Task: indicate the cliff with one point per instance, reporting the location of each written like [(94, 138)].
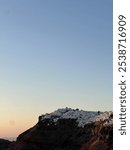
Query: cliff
[(68, 129)]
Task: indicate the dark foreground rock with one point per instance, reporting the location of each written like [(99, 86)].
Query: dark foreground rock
[(4, 144)]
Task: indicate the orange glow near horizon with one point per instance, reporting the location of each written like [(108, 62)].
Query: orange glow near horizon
[(13, 124), (12, 128)]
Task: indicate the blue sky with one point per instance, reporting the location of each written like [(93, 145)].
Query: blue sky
[(54, 54)]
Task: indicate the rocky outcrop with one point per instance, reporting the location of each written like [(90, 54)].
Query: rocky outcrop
[(66, 134), (102, 139), (4, 144)]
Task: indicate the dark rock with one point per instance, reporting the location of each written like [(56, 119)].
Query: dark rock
[(4, 144)]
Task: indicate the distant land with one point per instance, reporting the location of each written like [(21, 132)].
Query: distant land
[(9, 138)]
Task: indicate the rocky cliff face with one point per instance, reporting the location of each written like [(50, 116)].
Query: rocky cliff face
[(55, 132)]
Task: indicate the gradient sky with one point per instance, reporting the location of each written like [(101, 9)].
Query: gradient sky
[(53, 53)]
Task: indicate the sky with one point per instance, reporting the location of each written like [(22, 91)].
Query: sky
[(53, 54)]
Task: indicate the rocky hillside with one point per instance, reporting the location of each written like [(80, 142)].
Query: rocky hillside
[(68, 129)]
